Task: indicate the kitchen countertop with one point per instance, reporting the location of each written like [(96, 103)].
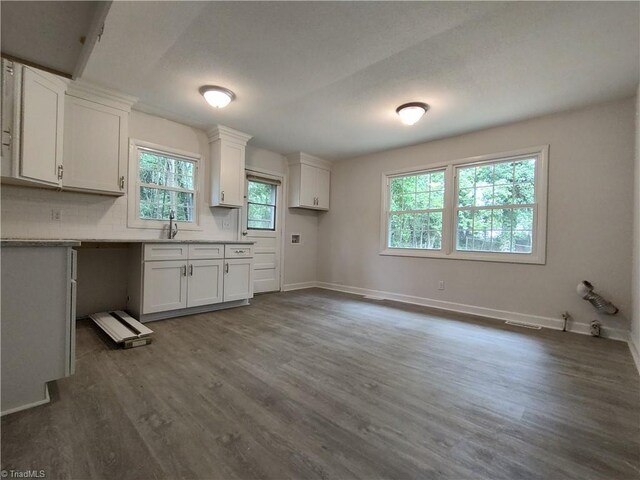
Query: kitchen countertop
[(34, 242), (38, 242)]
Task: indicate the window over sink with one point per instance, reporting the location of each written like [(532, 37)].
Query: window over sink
[(166, 181)]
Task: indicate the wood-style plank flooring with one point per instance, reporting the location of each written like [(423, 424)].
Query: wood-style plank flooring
[(317, 384)]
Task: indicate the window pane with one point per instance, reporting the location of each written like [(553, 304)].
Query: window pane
[(401, 185), (484, 175), (484, 196), (525, 171), (503, 230), (523, 193), (502, 219), (415, 230), (261, 217), (466, 177), (503, 173), (522, 241), (436, 199), (163, 170), (417, 192), (156, 204), (523, 219), (503, 195), (259, 192)]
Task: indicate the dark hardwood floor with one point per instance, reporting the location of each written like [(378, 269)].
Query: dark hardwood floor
[(318, 384)]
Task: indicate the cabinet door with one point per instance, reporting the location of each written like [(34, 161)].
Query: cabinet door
[(232, 175), (238, 279), (95, 146), (307, 185), (42, 127), (205, 282), (323, 180), (8, 116), (164, 286)]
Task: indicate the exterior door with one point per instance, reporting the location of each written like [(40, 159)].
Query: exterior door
[(262, 224)]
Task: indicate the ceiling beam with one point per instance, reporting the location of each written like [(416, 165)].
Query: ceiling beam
[(93, 35)]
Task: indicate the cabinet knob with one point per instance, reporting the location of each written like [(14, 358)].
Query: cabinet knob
[(244, 233), (122, 183), (222, 195), (226, 268)]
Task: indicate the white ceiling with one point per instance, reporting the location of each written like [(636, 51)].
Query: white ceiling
[(47, 33), (325, 77)]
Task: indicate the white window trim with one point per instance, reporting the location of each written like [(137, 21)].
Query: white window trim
[(133, 193), (448, 251)]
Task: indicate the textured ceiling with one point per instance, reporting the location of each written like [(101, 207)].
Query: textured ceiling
[(326, 77), (46, 33)]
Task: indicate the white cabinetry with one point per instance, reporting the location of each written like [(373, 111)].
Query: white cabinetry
[(38, 322), (238, 276), (205, 282), (227, 148), (309, 182), (95, 140), (32, 125), (165, 286), (173, 279)]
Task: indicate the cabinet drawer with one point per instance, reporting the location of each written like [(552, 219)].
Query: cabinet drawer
[(205, 251), (238, 251), (165, 251)]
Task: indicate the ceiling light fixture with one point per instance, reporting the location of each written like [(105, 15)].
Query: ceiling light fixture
[(218, 97), (411, 112)]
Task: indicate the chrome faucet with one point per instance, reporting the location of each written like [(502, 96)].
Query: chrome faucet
[(172, 232)]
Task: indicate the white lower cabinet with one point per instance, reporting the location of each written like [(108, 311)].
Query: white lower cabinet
[(165, 286), (238, 279), (205, 282), (174, 279)]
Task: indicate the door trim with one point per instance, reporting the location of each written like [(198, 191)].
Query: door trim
[(280, 214)]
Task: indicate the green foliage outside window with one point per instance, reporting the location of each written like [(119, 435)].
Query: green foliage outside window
[(495, 207), (416, 208), (261, 205), (167, 184)]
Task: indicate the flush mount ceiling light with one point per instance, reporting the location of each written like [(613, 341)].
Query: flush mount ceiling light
[(411, 112), (218, 97)]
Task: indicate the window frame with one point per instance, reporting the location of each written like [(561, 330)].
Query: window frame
[(275, 206), (448, 250), (133, 202)]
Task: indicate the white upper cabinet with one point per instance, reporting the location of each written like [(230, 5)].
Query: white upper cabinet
[(95, 140), (227, 148), (309, 182), (32, 125)]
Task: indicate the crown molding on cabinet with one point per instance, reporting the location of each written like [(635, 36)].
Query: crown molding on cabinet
[(98, 94), (305, 158), (220, 132)]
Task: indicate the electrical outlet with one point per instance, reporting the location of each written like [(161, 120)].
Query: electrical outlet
[(441, 285), (226, 223), (56, 215)]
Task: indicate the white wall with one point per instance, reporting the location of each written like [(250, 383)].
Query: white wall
[(635, 318), (300, 260), (26, 213), (589, 232)]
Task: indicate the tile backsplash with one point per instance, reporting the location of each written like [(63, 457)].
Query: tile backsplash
[(31, 213)]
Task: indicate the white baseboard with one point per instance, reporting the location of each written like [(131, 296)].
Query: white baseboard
[(47, 399), (635, 351), (493, 314), (298, 286)]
